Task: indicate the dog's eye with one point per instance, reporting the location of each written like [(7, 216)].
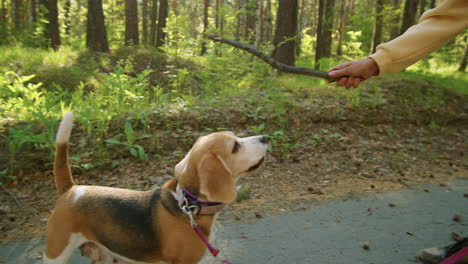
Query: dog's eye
[(236, 147)]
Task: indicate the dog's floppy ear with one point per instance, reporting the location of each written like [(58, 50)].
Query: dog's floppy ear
[(216, 180), (181, 167)]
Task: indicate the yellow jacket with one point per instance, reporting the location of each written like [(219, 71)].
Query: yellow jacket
[(435, 28)]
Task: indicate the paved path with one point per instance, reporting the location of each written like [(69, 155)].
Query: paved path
[(330, 232)]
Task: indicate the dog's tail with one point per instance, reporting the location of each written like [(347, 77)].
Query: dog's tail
[(63, 176)]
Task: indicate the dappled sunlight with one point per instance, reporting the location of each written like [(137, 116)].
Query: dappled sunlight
[(65, 57), (144, 85)]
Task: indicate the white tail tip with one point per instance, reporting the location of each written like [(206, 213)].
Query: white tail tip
[(64, 131)]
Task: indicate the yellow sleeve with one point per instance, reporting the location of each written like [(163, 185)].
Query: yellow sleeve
[(435, 28)]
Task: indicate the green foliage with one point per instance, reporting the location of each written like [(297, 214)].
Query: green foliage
[(118, 100), (135, 150), (353, 47), (175, 95), (363, 20), (20, 99), (118, 95), (18, 139), (138, 59), (280, 142), (65, 68), (243, 195), (433, 125), (181, 38), (5, 176), (308, 43), (438, 72)]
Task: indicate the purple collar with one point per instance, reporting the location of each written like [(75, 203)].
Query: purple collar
[(201, 207), (194, 207), (194, 198)]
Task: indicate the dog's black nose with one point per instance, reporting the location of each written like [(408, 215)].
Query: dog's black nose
[(263, 140)]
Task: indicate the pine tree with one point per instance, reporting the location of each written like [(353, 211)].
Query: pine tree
[(96, 37), (377, 34), (162, 16), (409, 15), (131, 22), (54, 30), (286, 30), (324, 30)]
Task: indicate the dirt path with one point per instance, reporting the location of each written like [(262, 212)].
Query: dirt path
[(329, 232), (334, 231), (341, 161)]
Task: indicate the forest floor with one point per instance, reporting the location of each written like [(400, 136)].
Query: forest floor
[(363, 159), (369, 162)]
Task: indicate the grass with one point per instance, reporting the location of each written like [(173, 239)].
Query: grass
[(65, 68), (435, 70), (243, 195), (149, 105)]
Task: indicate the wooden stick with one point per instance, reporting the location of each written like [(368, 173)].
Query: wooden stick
[(274, 63)]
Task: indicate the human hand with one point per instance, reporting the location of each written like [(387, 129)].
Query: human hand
[(355, 72)]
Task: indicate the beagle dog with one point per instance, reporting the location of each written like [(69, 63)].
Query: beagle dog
[(135, 227)]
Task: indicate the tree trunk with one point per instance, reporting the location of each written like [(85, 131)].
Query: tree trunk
[(250, 13), (219, 17), (44, 23), (33, 11), (222, 18), (131, 22), (194, 13), (3, 12), (205, 25), (268, 27), (238, 6), (422, 7), (66, 18), (286, 30), (324, 30), (153, 18), (18, 10), (409, 15), (377, 34), (96, 37), (318, 33), (351, 8), (3, 23), (144, 21), (259, 25), (54, 30), (432, 4), (341, 29), (300, 26), (163, 12), (395, 28), (312, 22), (463, 62), (81, 27), (217, 14)]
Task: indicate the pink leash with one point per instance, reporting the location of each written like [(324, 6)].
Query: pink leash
[(210, 247), (456, 257), (188, 210)]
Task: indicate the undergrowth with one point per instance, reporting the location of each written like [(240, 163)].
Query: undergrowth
[(139, 104)]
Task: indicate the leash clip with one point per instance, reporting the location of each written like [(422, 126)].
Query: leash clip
[(190, 210)]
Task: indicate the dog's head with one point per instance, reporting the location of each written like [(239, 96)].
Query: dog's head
[(216, 161)]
